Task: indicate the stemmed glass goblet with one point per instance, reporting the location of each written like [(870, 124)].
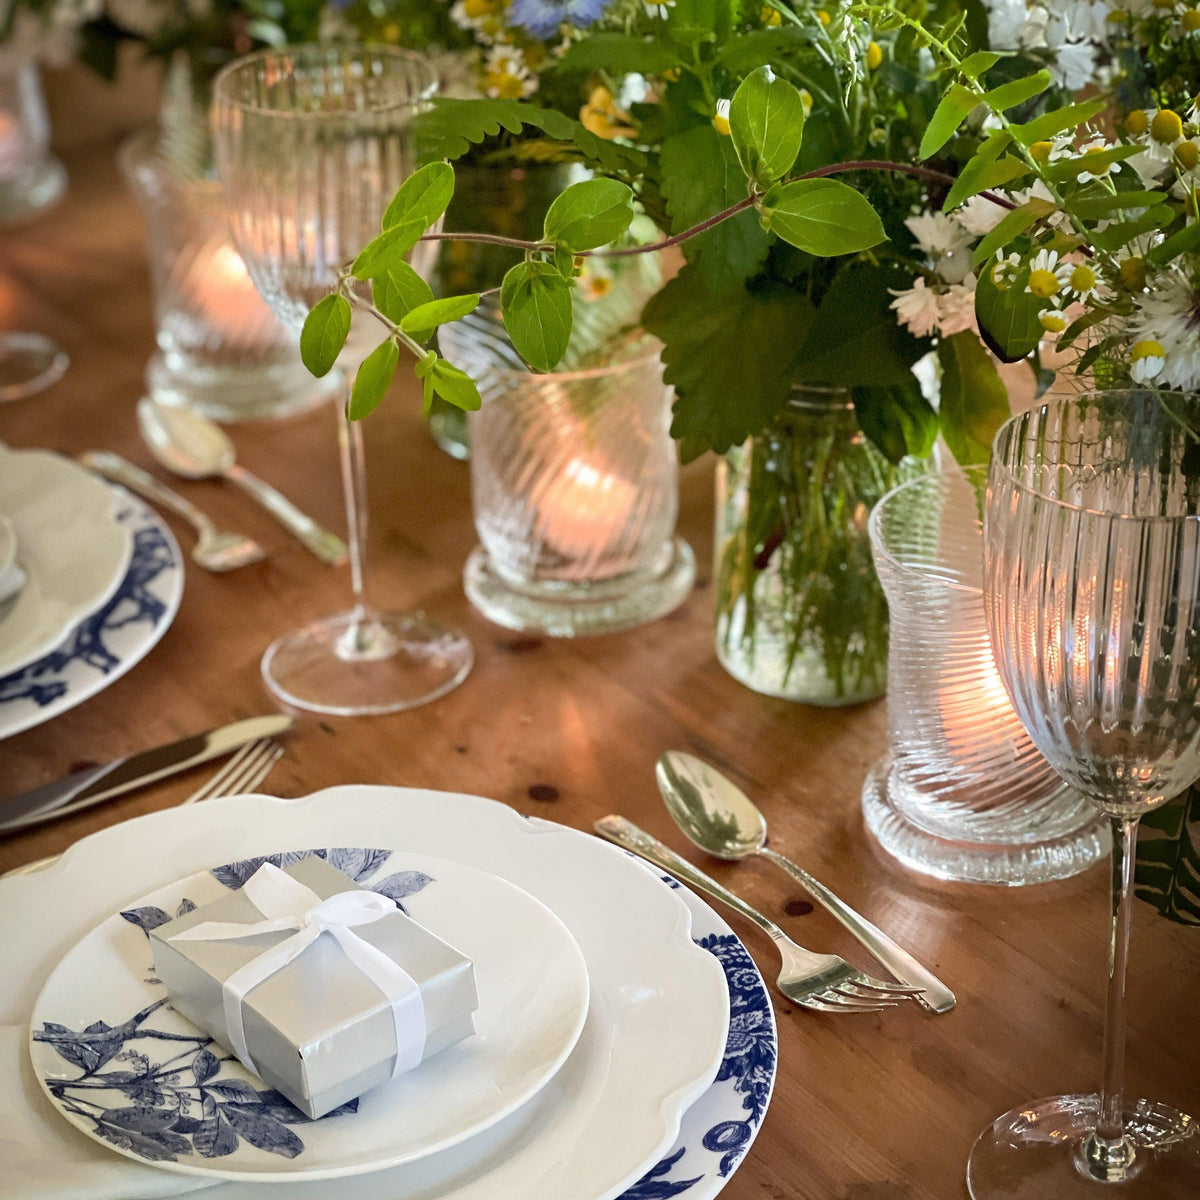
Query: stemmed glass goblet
[(311, 143), (1092, 591)]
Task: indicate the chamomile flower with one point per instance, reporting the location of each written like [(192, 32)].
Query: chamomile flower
[(720, 121), (1168, 317), (1047, 276), (1096, 145), (506, 75), (1083, 282), (1146, 361), (1005, 270), (1053, 320), (917, 308)]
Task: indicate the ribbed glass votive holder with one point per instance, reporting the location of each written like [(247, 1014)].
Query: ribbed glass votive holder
[(962, 793)]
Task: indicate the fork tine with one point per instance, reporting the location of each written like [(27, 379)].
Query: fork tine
[(842, 1002), (239, 781), (900, 990), (230, 768), (251, 782)]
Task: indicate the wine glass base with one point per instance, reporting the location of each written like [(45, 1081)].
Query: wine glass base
[(31, 193), (1007, 864), (29, 363), (1036, 1152), (358, 663), (567, 609)]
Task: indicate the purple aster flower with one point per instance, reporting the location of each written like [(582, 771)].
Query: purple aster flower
[(541, 18)]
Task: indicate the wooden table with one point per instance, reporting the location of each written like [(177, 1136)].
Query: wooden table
[(866, 1107)]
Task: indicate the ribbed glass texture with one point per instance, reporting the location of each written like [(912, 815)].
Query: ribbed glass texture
[(311, 143), (961, 766), (574, 476), (222, 351), (1092, 579)]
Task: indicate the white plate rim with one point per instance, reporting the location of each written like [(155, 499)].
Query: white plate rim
[(154, 581), (102, 533), (301, 1176), (716, 1100)]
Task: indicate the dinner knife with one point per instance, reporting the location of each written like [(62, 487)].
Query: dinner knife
[(92, 785)]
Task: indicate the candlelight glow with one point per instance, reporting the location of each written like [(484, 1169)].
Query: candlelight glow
[(583, 512)]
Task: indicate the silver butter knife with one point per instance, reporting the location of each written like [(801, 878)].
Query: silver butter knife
[(93, 785)]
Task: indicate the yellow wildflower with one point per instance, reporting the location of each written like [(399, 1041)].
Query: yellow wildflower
[(874, 56), (1166, 127), (601, 116), (1137, 122), (770, 16)]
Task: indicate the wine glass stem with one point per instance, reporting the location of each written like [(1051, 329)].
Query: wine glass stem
[(354, 488), (1109, 1153)]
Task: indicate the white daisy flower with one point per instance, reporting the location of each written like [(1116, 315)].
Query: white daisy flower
[(1146, 362), (1047, 276), (979, 215), (1053, 320), (937, 233), (506, 75), (1005, 270), (1097, 145), (1084, 283), (1074, 66), (917, 308), (1168, 317)]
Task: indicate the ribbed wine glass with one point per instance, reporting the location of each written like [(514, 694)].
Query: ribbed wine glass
[(1092, 588), (311, 143)]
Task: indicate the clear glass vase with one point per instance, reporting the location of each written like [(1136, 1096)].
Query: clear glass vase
[(962, 793), (574, 486), (31, 178), (800, 613)]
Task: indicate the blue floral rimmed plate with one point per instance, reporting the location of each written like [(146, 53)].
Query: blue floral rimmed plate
[(123, 1066), (111, 640)]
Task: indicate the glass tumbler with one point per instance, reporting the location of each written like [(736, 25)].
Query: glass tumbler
[(962, 793)]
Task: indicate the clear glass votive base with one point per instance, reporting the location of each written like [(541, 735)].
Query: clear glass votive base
[(563, 608), (239, 393), (29, 363), (365, 662), (1040, 1151), (1039, 859)]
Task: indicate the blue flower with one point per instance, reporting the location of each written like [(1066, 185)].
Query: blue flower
[(541, 18)]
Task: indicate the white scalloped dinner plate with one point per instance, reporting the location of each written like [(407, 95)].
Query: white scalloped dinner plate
[(658, 1036), (72, 548)]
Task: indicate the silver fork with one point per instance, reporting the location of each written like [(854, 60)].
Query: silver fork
[(240, 774), (823, 982)]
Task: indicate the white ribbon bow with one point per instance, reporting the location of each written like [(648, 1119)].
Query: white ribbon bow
[(287, 904)]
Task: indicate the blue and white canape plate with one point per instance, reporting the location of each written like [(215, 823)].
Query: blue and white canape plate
[(111, 640), (123, 1066)]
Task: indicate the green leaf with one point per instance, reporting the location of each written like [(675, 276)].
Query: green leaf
[(536, 302), (422, 197), (324, 334), (1017, 91), (979, 63), (823, 217), (455, 386), (729, 354), (854, 339), (589, 214), (991, 149), (619, 54), (898, 419), (974, 402), (1043, 128), (397, 289), (1186, 239), (389, 248), (743, 53), (947, 117), (1069, 168), (1010, 226), (421, 321), (766, 123), (1092, 207), (372, 381), (452, 127), (979, 177), (1115, 237), (1008, 317), (700, 177), (1167, 861)]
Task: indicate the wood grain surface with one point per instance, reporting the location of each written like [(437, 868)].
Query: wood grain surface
[(866, 1107)]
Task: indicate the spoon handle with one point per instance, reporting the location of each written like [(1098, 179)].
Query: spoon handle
[(328, 547), (119, 470), (628, 836), (934, 993)]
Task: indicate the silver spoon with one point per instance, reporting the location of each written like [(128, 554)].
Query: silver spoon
[(722, 820), (196, 448), (214, 550)]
